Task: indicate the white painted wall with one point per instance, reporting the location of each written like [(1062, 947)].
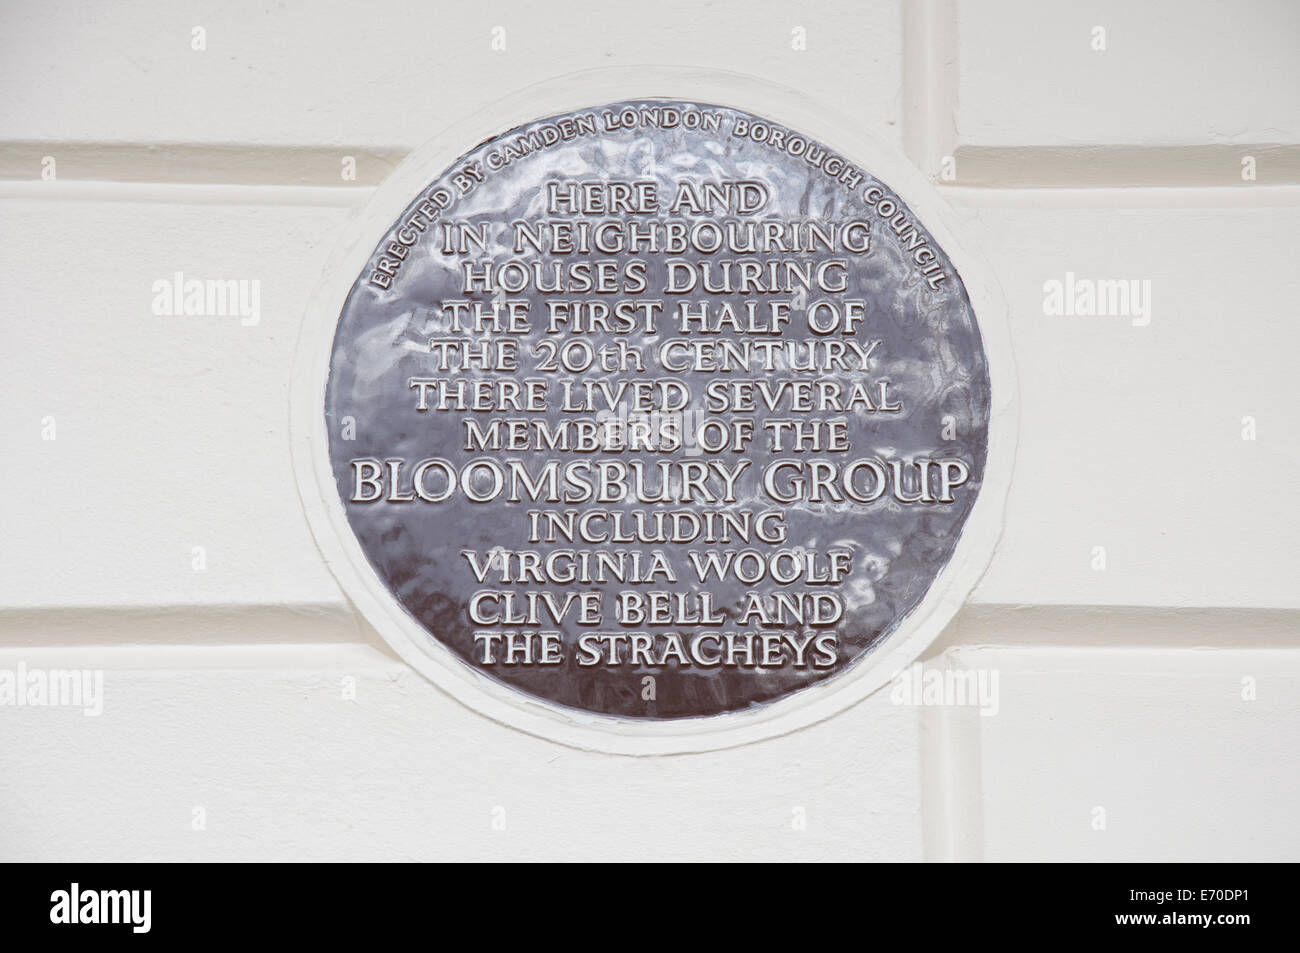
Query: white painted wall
[(1120, 689)]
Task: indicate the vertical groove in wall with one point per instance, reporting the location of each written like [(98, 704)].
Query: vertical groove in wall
[(929, 81), (952, 826)]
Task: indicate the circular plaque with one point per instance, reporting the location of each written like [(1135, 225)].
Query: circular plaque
[(657, 410)]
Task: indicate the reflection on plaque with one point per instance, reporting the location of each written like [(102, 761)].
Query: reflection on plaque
[(659, 409)]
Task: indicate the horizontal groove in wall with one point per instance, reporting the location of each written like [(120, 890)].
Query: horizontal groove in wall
[(1110, 627), (200, 163), (288, 657), (1240, 196), (183, 626), (1110, 166), (186, 193)]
